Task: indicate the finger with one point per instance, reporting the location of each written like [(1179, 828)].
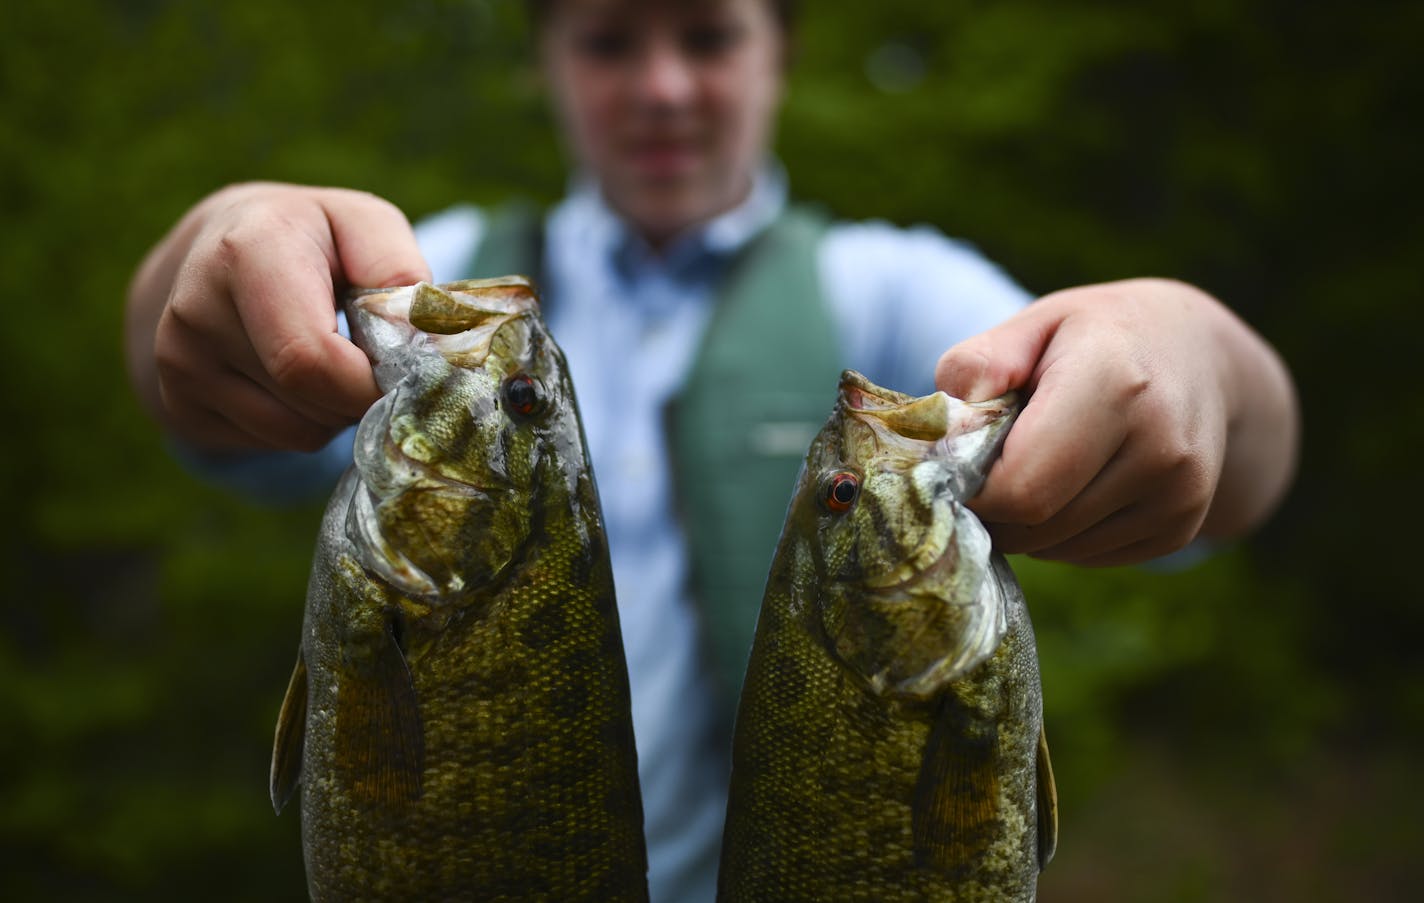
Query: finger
[(1063, 439), (1137, 497), (211, 432), (1132, 553), (253, 409), (1113, 489), (204, 341), (1121, 528), (1003, 358), (244, 415), (1147, 530)]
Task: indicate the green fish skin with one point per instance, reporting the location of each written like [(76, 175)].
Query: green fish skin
[(889, 742), (458, 720)]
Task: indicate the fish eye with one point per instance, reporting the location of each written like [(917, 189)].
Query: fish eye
[(521, 395), (841, 491)]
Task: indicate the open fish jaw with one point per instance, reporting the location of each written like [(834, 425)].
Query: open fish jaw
[(928, 611), (392, 323)]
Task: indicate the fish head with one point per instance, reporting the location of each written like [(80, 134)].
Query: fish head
[(477, 414), (904, 585)]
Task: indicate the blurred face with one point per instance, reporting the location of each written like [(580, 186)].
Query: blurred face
[(668, 103)]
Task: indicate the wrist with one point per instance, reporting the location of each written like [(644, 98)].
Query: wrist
[(1262, 428)]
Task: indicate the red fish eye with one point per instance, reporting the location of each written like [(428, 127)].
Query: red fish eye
[(520, 394), (841, 492)]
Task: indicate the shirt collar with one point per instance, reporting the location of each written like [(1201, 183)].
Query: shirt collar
[(711, 242)]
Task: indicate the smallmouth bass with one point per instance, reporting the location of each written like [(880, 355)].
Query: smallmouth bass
[(458, 719), (889, 742)]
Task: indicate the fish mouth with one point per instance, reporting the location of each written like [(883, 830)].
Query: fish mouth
[(967, 435), (924, 419), (457, 319)]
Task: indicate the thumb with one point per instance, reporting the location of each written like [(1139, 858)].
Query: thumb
[(993, 362)]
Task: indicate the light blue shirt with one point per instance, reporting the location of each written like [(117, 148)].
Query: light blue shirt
[(629, 321)]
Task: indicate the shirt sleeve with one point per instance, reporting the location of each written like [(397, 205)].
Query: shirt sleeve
[(902, 297), (448, 240)]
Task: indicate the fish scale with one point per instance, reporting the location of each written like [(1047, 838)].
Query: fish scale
[(459, 719)]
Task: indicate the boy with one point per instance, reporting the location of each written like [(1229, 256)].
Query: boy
[(1156, 416)]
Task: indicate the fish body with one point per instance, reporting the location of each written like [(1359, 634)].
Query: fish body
[(458, 720), (889, 740)]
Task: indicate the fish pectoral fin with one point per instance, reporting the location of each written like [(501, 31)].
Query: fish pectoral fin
[(291, 734), (1047, 805), (955, 809), (379, 736)]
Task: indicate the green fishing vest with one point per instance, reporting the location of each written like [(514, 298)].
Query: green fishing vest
[(763, 382)]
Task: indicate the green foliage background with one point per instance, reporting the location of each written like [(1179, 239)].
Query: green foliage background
[(1245, 729)]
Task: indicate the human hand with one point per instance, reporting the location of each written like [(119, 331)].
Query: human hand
[(231, 328), (1154, 415)]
